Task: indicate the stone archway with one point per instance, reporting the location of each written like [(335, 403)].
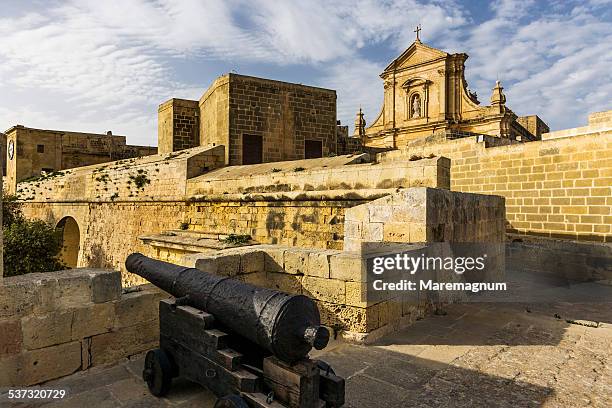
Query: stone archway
[(71, 235)]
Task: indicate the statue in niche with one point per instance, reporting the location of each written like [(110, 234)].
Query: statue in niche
[(416, 106)]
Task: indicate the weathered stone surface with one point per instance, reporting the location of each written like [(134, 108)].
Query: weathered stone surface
[(296, 261), (112, 346), (274, 260), (36, 366), (92, 319), (228, 265), (349, 318), (348, 267), (329, 290), (11, 338), (140, 306), (106, 287), (319, 263), (284, 282), (47, 330), (73, 290)]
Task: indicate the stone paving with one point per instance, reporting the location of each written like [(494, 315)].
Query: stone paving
[(473, 356)]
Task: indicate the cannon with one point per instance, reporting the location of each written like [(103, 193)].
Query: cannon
[(249, 345)]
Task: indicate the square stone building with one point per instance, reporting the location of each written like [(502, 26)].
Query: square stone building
[(31, 152), (258, 120)]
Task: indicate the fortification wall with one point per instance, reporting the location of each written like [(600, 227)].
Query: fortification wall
[(558, 188), (140, 179), (54, 324), (109, 229), (336, 279), (349, 173)]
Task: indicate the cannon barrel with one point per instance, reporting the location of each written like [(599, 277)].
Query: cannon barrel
[(286, 325)]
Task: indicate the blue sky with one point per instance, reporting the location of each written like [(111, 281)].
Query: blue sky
[(93, 65)]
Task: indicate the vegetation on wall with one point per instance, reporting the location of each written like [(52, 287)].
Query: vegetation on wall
[(235, 239), (29, 246)]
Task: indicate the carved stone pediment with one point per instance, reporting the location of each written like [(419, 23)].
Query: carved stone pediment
[(414, 82)]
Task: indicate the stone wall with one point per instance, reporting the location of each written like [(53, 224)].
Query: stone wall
[(109, 228), (558, 188), (143, 179), (54, 324), (426, 215), (178, 125), (336, 279), (571, 261), (284, 114), (40, 150), (351, 174)]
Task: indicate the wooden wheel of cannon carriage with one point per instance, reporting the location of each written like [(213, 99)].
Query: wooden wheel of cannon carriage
[(158, 372)]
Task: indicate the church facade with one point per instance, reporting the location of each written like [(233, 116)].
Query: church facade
[(425, 92)]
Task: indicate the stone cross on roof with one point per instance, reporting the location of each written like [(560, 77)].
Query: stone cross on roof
[(417, 30)]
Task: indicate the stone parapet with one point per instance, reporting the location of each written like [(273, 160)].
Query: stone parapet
[(338, 173), (54, 324)]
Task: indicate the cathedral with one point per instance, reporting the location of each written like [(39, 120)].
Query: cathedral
[(425, 92)]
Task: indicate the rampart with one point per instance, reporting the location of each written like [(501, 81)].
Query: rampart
[(557, 187), (54, 324), (298, 203), (336, 279)]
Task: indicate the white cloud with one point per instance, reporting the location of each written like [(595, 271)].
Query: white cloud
[(92, 65), (556, 65)]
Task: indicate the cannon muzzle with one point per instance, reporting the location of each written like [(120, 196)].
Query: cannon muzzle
[(286, 325)]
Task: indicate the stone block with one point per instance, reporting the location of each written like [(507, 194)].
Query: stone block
[(34, 367), (284, 282), (125, 342), (353, 229), (227, 265), (73, 288), (92, 319), (349, 318), (347, 266), (408, 214), (47, 330), (353, 245), (318, 263), (106, 286), (397, 232), (356, 294), (373, 232), (11, 338), (328, 290), (256, 278), (17, 299), (138, 307), (296, 261), (252, 261), (380, 213)]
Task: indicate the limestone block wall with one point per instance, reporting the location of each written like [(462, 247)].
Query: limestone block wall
[(426, 215), (54, 324), (109, 228), (178, 125), (337, 280), (347, 175), (567, 260), (144, 179), (333, 278), (285, 115), (559, 188)]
